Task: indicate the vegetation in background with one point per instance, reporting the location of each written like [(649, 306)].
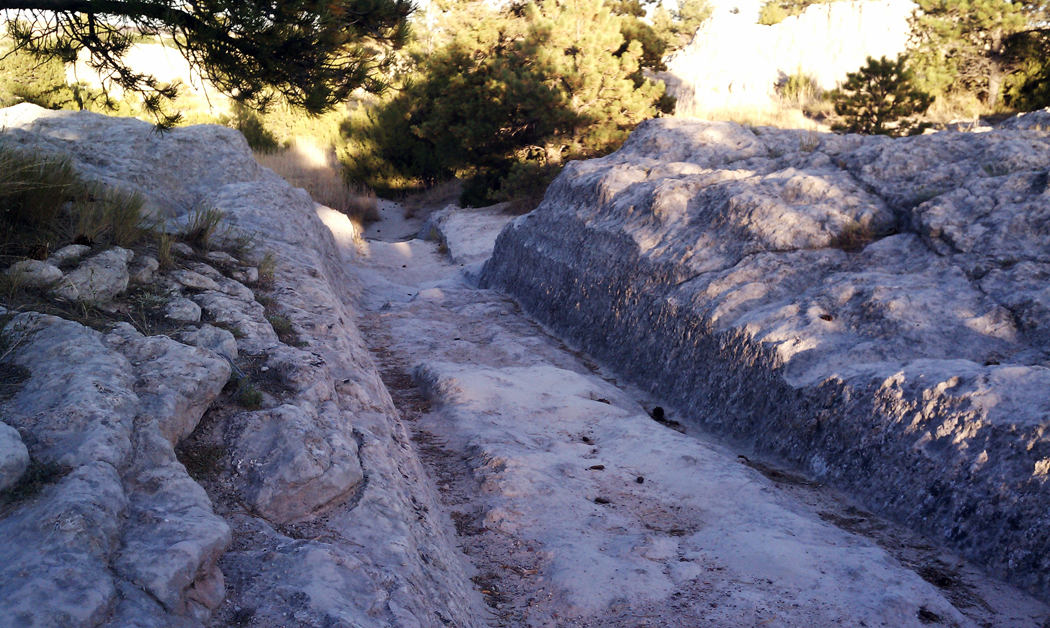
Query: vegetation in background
[(503, 99), (776, 11), (962, 45), (309, 54), (881, 99), (677, 26)]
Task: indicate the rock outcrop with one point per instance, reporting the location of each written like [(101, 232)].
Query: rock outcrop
[(162, 501), (734, 62), (872, 310)]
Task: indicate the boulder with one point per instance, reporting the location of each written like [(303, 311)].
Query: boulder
[(68, 254), (182, 310), (191, 279), (142, 269), (219, 341), (34, 273), (873, 310), (293, 465), (14, 457), (98, 279)]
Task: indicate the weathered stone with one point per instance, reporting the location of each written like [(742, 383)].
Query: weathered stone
[(209, 337), (222, 257), (68, 254), (183, 249), (192, 279), (142, 269), (874, 310), (34, 273), (97, 279), (183, 310), (292, 464), (14, 457)]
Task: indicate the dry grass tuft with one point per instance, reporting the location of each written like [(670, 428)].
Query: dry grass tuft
[(317, 170)]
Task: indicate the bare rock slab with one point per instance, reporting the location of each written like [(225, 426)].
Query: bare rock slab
[(871, 309)]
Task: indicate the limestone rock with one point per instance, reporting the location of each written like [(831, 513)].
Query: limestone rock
[(378, 562), (68, 254), (14, 457), (98, 279), (106, 412), (183, 249), (874, 310), (142, 269), (183, 310), (293, 466), (219, 341), (34, 273), (192, 279)]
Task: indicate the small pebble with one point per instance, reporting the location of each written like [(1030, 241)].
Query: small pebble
[(600, 500), (597, 467), (639, 479)]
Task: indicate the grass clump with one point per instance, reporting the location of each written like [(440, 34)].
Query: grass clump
[(204, 224), (853, 237), (45, 205), (247, 394), (38, 475)]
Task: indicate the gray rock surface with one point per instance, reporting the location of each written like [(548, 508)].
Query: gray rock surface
[(183, 310), (34, 273), (103, 414), (330, 527), (871, 310), (219, 341), (97, 279), (14, 457), (68, 254), (467, 235), (142, 269)]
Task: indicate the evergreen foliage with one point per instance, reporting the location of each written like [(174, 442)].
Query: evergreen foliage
[(505, 101), (879, 99), (310, 54), (677, 26), (776, 11), (961, 45)]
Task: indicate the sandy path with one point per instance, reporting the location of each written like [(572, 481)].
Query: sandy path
[(576, 508)]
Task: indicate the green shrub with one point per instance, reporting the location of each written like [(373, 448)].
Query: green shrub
[(880, 99)]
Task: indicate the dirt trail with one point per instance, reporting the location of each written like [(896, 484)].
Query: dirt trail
[(576, 508)]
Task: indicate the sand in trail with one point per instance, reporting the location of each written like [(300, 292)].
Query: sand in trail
[(575, 508)]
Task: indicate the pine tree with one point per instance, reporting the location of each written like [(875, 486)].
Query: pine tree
[(507, 100), (961, 44), (879, 98)]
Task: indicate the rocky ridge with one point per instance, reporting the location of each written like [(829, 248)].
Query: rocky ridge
[(246, 467), (871, 310)]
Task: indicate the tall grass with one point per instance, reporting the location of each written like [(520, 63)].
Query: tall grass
[(315, 168), (44, 205)]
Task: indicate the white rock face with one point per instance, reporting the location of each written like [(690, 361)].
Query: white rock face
[(14, 457), (713, 266), (735, 62)]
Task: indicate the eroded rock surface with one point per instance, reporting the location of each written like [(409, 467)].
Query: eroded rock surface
[(304, 502), (871, 310)]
